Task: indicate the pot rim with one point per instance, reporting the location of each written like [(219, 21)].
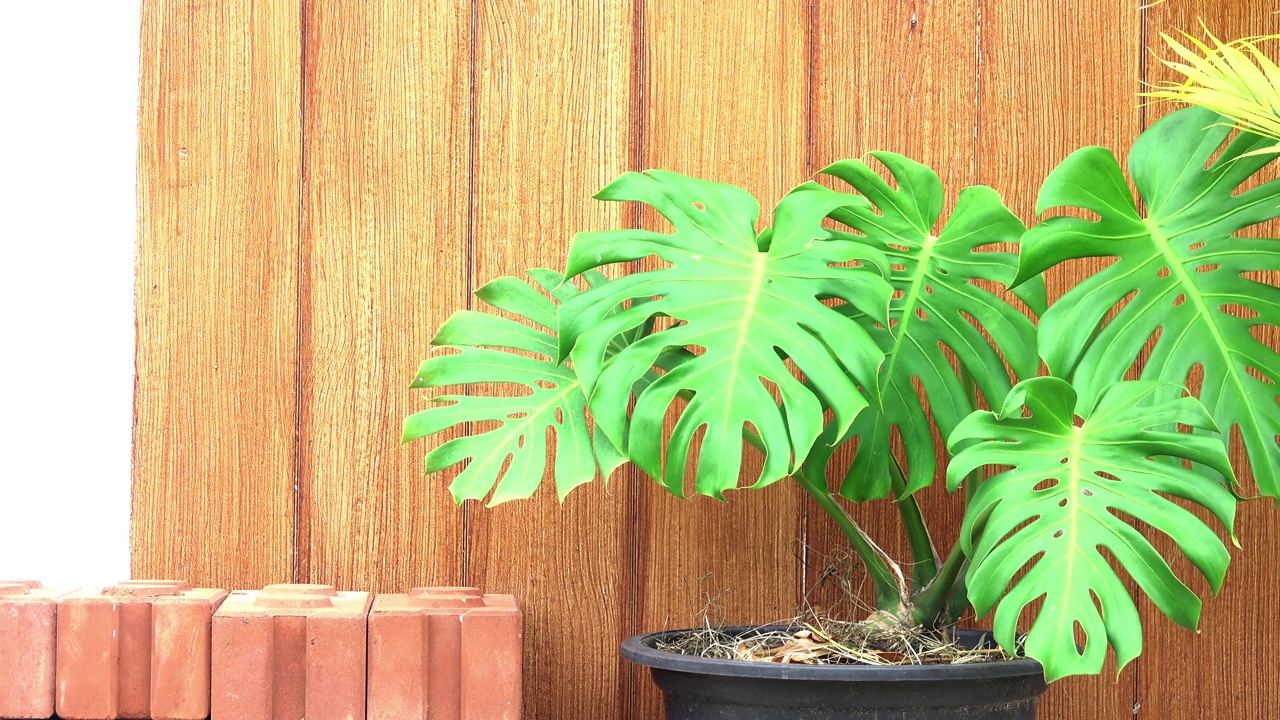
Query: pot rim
[(640, 649)]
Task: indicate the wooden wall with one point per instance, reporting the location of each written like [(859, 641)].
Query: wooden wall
[(322, 183)]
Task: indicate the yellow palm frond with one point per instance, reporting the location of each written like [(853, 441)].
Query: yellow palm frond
[(1234, 79)]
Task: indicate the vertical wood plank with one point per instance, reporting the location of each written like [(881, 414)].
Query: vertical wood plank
[(731, 107), (1232, 667), (1046, 88), (385, 262), (553, 108), (216, 294), (907, 87)]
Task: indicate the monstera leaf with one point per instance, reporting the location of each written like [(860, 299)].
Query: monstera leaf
[(1188, 276), (1071, 487), (552, 398), (742, 303), (937, 307)]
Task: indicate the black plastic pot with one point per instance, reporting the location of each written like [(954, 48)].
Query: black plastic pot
[(696, 688)]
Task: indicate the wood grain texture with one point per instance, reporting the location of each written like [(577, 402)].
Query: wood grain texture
[(553, 112), (1231, 669), (385, 262), (217, 258), (1056, 76), (908, 87), (729, 106), (322, 184)]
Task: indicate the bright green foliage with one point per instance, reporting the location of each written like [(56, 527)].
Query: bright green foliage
[(1236, 79), (742, 303), (551, 397), (1182, 266), (1059, 506), (936, 298)]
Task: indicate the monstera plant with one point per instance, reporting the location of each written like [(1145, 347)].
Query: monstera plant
[(856, 319)]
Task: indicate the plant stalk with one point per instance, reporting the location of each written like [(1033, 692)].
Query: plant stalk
[(924, 556), (931, 603), (888, 584)]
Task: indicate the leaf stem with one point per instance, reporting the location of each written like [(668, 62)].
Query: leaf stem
[(923, 554), (888, 584), (931, 602)]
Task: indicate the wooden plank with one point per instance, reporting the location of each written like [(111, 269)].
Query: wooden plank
[(553, 113), (1045, 89), (731, 108), (906, 87), (1231, 669), (218, 163), (385, 262)]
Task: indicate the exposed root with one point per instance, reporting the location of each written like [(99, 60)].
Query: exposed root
[(817, 640), (820, 635)]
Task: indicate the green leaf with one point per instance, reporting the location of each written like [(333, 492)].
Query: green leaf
[(547, 396), (936, 297), (1069, 493), (1180, 274), (741, 303)]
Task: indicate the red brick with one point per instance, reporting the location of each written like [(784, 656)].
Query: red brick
[(289, 652), (139, 649), (445, 654), (28, 622)]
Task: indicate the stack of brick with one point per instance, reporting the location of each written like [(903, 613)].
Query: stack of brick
[(163, 650), (291, 651), (445, 653), (139, 649), (28, 626)]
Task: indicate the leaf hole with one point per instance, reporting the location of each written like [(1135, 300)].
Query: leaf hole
[(920, 313), (1208, 267), (1046, 484), (1086, 492), (545, 384), (928, 288), (1059, 534), (1237, 310), (1265, 334), (1195, 246), (517, 415), (1258, 375), (1163, 272), (1106, 475), (898, 246), (942, 271), (559, 416), (1075, 212), (1182, 297), (1063, 502), (699, 206), (897, 294)]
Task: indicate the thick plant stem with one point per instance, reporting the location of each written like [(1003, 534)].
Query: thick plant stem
[(888, 584), (930, 604), (924, 557)]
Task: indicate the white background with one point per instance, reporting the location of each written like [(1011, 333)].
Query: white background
[(68, 147)]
